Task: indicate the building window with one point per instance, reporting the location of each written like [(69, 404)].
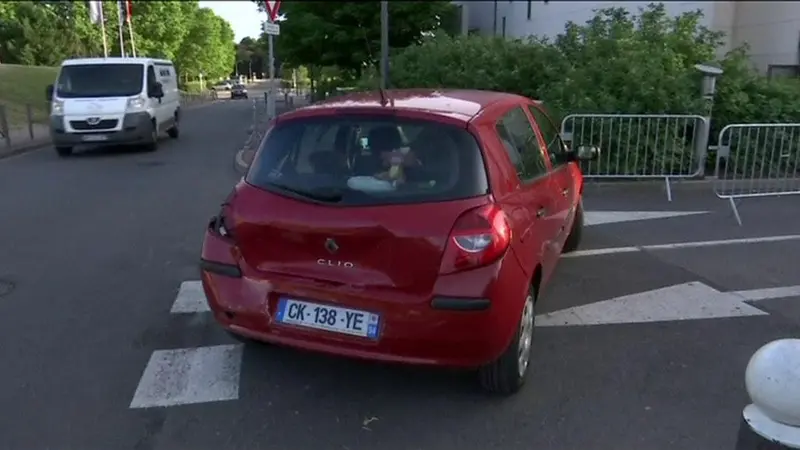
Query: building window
[(504, 26), (783, 71)]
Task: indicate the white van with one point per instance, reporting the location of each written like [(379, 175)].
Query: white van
[(113, 101)]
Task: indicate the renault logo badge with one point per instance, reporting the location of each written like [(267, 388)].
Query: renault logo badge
[(331, 246), (93, 120)]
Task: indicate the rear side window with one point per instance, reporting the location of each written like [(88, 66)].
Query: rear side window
[(550, 134), (355, 160), (520, 141)]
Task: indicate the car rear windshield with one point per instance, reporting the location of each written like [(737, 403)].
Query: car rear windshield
[(369, 160), (100, 80)]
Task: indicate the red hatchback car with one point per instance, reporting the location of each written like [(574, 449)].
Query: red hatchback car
[(413, 226)]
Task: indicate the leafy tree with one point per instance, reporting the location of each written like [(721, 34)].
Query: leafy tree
[(251, 55), (44, 33), (47, 32), (160, 27), (347, 34), (207, 48)]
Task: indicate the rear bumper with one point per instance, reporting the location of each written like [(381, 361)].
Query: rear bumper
[(471, 332), (136, 129)]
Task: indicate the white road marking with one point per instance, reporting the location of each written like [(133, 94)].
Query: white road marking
[(190, 375), (768, 293), (190, 299), (679, 245), (689, 301), (603, 217)]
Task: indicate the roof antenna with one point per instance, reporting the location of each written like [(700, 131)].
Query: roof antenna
[(384, 100)]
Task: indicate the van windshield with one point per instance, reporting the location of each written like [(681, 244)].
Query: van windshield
[(100, 80), (369, 160)]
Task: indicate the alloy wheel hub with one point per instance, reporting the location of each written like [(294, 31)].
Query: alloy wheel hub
[(525, 336)]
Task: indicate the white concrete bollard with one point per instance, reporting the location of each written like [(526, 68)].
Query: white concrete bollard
[(772, 379)]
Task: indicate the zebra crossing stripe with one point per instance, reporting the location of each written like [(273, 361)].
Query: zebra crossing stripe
[(190, 375), (191, 299)]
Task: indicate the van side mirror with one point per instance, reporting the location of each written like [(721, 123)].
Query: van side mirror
[(156, 90), (48, 92)]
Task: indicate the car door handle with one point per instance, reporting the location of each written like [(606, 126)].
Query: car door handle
[(541, 212)]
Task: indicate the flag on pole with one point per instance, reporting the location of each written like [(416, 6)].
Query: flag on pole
[(96, 11), (125, 10)]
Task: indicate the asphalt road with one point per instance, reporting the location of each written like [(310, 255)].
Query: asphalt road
[(97, 247)]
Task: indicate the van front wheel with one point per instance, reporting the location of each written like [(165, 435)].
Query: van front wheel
[(152, 142)]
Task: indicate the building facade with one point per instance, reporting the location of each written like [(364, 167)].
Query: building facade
[(771, 28)]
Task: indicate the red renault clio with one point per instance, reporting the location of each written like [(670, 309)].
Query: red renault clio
[(413, 226)]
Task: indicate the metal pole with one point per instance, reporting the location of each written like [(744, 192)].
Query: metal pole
[(384, 44), (103, 29), (130, 33), (271, 98), (121, 30)]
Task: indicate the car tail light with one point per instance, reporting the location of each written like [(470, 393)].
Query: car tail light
[(479, 237), (219, 223)]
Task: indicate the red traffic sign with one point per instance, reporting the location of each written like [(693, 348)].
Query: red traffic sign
[(272, 8)]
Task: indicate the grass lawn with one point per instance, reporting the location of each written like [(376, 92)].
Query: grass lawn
[(25, 85)]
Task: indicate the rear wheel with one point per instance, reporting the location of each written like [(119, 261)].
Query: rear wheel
[(506, 375), (64, 151), (574, 239), (174, 132)]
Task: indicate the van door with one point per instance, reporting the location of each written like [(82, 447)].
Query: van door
[(156, 105), (532, 206), (166, 76)]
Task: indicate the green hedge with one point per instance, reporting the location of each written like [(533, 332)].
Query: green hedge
[(616, 62)]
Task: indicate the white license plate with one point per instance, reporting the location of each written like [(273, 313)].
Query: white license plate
[(95, 137), (329, 318)]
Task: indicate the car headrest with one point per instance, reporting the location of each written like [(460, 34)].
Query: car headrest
[(384, 138)]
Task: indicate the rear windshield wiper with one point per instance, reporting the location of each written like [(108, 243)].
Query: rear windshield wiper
[(331, 195)]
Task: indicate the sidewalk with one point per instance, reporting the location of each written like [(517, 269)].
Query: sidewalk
[(20, 140)]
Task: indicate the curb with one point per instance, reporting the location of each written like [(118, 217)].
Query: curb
[(240, 160), (29, 147)]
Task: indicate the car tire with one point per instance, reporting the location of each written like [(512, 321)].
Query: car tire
[(506, 375), (174, 132), (64, 151), (576, 233), (152, 141)]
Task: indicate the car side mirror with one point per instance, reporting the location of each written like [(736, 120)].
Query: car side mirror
[(156, 90), (48, 92), (587, 153)]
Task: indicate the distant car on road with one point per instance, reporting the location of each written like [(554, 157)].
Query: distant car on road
[(412, 226), (222, 86), (238, 91)]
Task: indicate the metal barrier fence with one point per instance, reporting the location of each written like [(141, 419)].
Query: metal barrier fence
[(640, 146), (757, 160), (23, 125)]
